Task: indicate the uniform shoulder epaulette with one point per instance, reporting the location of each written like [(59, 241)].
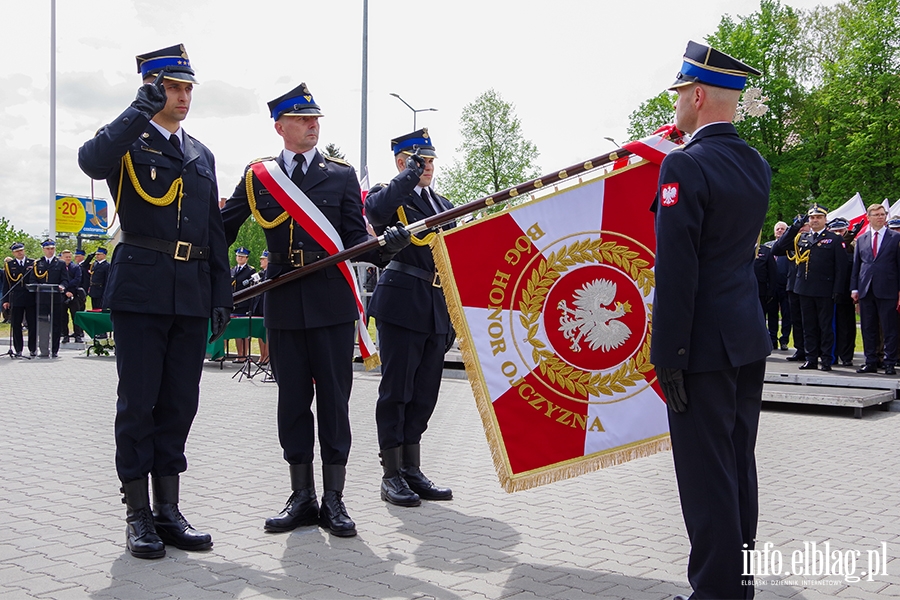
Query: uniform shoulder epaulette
[(339, 161), (769, 244), (377, 186), (259, 160)]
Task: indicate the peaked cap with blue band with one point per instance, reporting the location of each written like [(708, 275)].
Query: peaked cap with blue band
[(296, 103), (242, 251), (703, 64), (17, 246), (48, 243), (408, 143), (173, 59)]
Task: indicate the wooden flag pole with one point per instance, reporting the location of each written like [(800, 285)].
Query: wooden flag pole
[(436, 221)]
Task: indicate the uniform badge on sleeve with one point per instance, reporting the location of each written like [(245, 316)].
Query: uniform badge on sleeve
[(669, 194)]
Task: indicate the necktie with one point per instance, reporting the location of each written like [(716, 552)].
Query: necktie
[(176, 143), (875, 245), (431, 201), (298, 174)]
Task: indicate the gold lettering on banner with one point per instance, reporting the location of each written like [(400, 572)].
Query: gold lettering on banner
[(596, 425), (550, 410)]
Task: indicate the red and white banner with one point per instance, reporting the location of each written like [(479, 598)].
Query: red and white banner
[(552, 303), (310, 218)]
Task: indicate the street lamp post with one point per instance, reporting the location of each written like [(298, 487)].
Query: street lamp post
[(414, 110)]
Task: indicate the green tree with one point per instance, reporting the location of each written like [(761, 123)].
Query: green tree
[(252, 237), (334, 151), (495, 154), (9, 235), (651, 115), (771, 40)]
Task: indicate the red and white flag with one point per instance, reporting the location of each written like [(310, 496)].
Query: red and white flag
[(552, 303)]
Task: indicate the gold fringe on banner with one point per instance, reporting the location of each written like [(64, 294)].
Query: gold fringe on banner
[(556, 472), (372, 361)]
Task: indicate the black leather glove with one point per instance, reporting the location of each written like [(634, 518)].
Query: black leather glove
[(855, 229), (416, 164), (672, 383), (801, 220), (218, 322), (396, 238), (151, 97)]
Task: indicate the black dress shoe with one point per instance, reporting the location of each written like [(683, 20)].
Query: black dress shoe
[(825, 367), (809, 365), (890, 370), (395, 490), (795, 357), (423, 486), (302, 509), (333, 515), (784, 346), (846, 363), (867, 368)]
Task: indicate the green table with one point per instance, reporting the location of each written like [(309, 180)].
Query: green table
[(96, 323)]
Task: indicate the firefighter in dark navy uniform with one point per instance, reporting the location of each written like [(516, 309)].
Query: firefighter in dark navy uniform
[(710, 340), (241, 278), (50, 269), (18, 300), (167, 286), (822, 265), (310, 320), (98, 275), (413, 324)]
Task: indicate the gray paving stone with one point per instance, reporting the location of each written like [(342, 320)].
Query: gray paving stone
[(616, 533)]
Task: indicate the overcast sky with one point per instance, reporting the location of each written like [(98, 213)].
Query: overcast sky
[(574, 69)]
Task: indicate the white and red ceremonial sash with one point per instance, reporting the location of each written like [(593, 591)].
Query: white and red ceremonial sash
[(310, 218), (552, 300)]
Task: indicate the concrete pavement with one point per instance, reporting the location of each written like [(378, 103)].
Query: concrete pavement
[(616, 533)]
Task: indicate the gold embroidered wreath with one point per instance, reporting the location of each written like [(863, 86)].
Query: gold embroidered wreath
[(535, 292)]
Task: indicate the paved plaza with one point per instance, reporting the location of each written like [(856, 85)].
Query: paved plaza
[(616, 533)]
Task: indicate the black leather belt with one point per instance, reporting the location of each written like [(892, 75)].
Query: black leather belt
[(177, 250), (431, 277), (297, 258)]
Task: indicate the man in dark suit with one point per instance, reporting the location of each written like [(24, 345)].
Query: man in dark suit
[(50, 270), (18, 300), (709, 334), (766, 278), (413, 324), (72, 299), (168, 278), (780, 304), (875, 285), (99, 273), (310, 320)]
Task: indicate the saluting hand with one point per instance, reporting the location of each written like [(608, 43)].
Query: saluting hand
[(151, 97), (416, 164)]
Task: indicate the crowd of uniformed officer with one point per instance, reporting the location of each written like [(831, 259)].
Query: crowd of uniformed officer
[(66, 282), (815, 288)]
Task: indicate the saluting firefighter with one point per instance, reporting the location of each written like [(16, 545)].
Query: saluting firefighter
[(169, 276), (413, 325), (822, 263), (98, 275), (310, 321), (241, 278)]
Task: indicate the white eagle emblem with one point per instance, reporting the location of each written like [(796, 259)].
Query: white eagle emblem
[(591, 320), (669, 193)]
